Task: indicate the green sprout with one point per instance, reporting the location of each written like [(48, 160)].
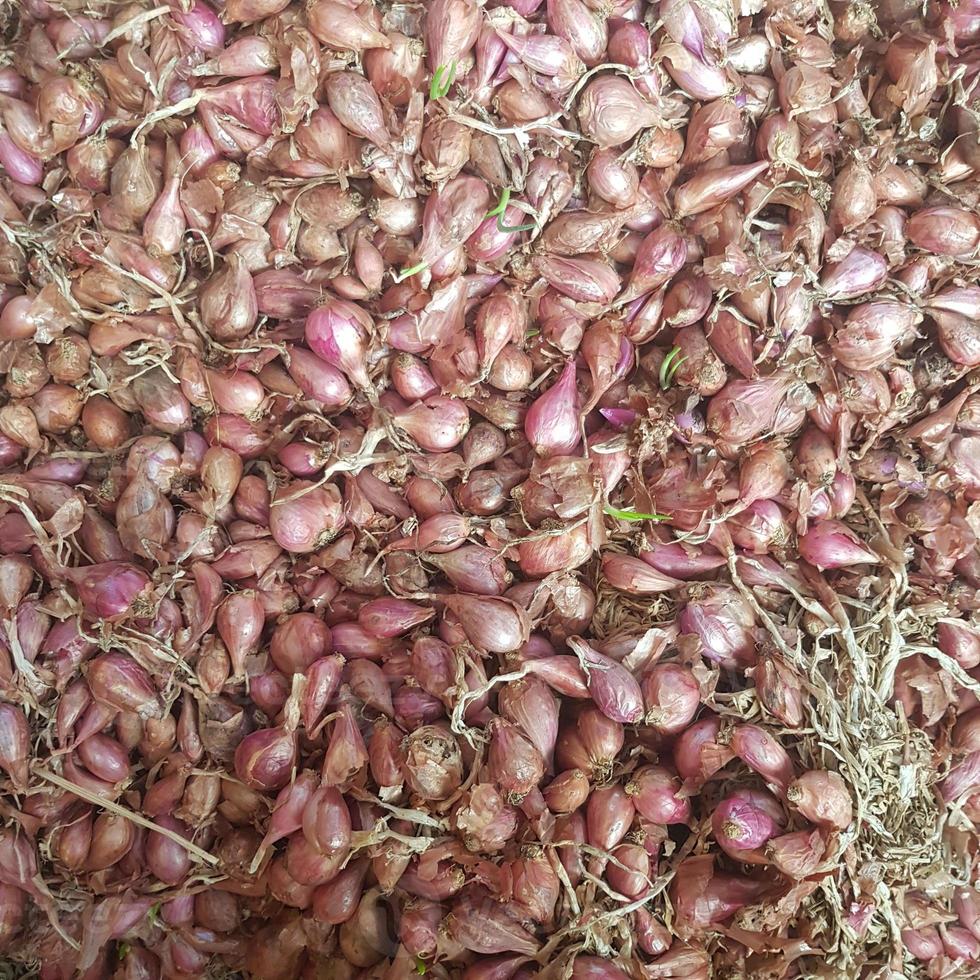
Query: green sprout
[(501, 204), (499, 210), (669, 367), (420, 966), (442, 80), (406, 273), (631, 515), (509, 228)]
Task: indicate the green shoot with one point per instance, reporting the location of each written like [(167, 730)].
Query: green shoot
[(442, 80), (509, 228), (631, 515), (499, 210), (501, 204), (406, 273), (420, 966), (669, 367)]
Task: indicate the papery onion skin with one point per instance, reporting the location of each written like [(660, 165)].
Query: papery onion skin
[(654, 791), (613, 688), (823, 797), (672, 697)]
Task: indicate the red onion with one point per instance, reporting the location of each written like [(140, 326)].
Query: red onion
[(123, 684), (654, 791), (738, 825), (513, 761), (672, 697), (697, 752), (702, 896), (552, 423), (610, 111), (780, 690), (264, 759), (108, 590), (635, 576), (823, 798), (722, 622), (485, 927), (433, 764), (490, 623), (609, 813), (567, 791), (613, 688), (763, 754), (797, 854), (831, 544), (530, 705), (304, 517)]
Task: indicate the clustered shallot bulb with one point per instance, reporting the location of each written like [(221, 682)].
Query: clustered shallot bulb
[(489, 489)]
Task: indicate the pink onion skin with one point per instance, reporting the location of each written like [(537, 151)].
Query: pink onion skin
[(945, 231), (608, 815), (491, 623), (485, 927), (14, 744), (960, 642), (831, 544), (924, 944), (596, 968), (388, 618), (166, 859), (108, 590), (713, 187), (703, 896), (201, 26), (822, 797), (304, 517), (697, 752), (680, 562), (744, 410), (513, 761), (672, 697), (654, 791), (761, 752), (437, 424), (529, 704), (871, 333), (723, 623), (611, 111), (635, 576), (585, 30), (659, 258), (264, 759), (797, 854), (861, 271), (613, 688), (552, 423), (966, 904), (337, 333), (739, 826), (584, 279), (118, 681)]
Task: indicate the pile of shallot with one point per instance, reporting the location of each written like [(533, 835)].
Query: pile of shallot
[(490, 489)]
